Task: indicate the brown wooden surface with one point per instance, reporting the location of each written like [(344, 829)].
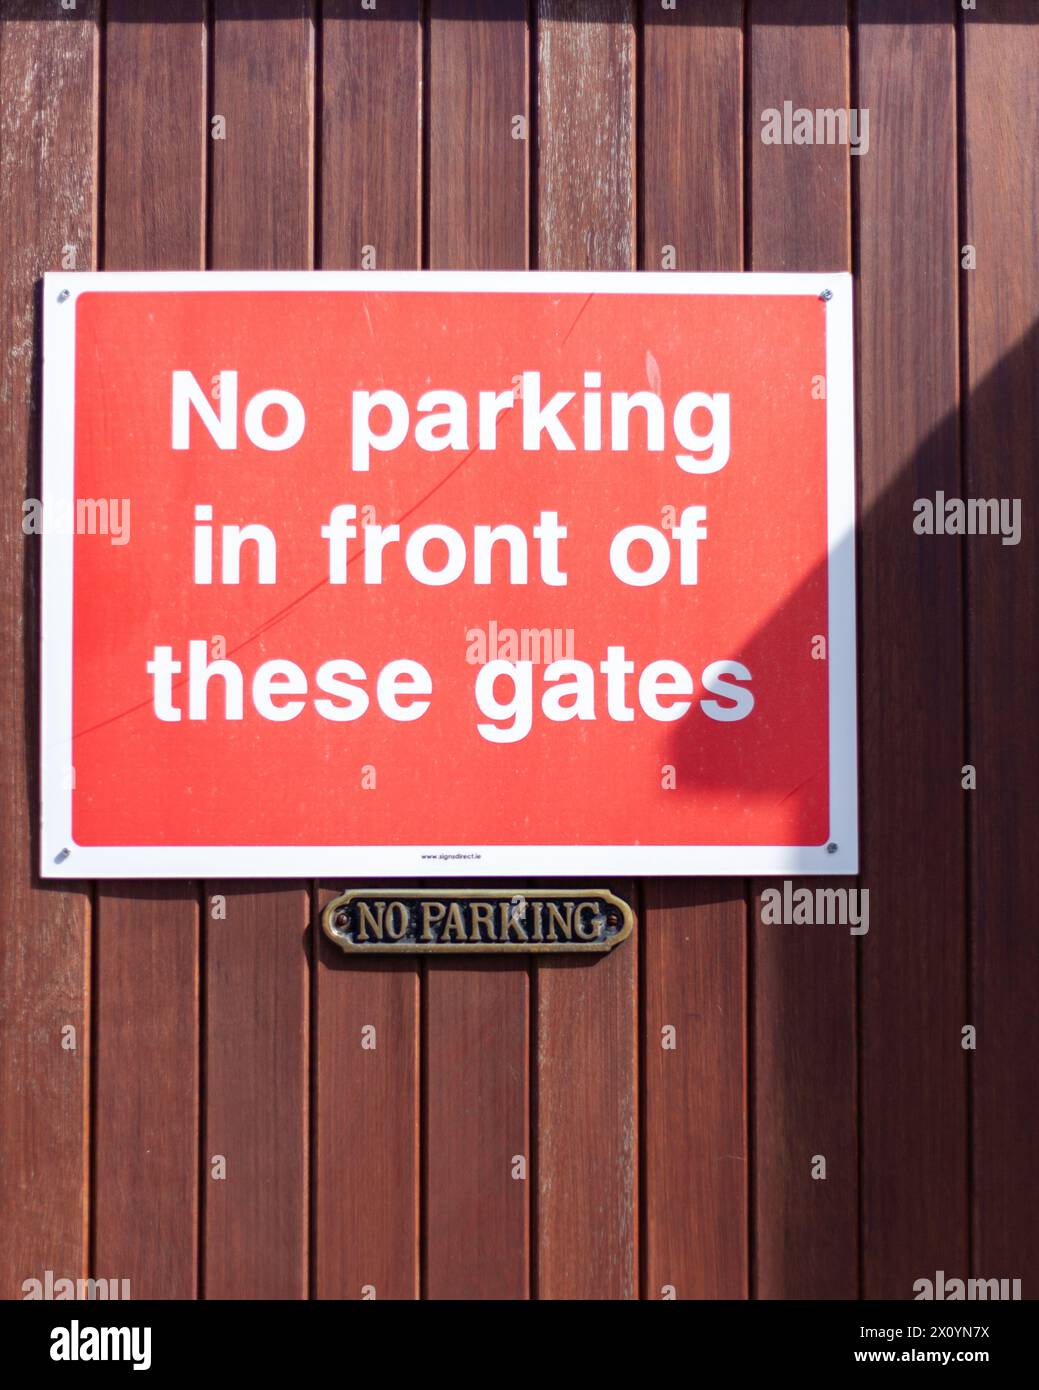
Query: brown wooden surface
[(146, 1098), (694, 937), (914, 1095), (476, 1018), (155, 135), (354, 1173), (370, 175), (691, 151), (48, 173), (366, 1124), (146, 1159), (694, 1135), (585, 1018), (803, 1078), (257, 983), (1001, 133), (256, 1100), (262, 172), (366, 1104)]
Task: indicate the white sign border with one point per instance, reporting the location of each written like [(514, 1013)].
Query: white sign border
[(60, 857)]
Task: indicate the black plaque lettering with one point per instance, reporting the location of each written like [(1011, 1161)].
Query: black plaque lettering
[(455, 921)]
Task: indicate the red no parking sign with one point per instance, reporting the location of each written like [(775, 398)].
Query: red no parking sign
[(447, 573)]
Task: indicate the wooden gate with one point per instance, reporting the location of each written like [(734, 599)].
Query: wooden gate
[(150, 1029)]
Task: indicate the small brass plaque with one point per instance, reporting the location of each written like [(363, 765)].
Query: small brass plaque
[(458, 920)]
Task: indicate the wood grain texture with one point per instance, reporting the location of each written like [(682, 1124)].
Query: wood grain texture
[(478, 169), (586, 1109), (914, 1171), (804, 1103), (1001, 134), (694, 1141), (476, 1022), (803, 977), (371, 135), (586, 1015), (155, 135), (695, 1099), (800, 194), (586, 1122), (691, 153), (257, 960), (585, 135), (262, 171), (48, 163), (256, 1111), (367, 1104), (477, 1208), (146, 1174), (146, 1105), (366, 1098)]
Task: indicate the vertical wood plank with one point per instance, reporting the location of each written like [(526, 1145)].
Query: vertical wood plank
[(475, 1035), (478, 169), (586, 1015), (257, 958), (586, 135), (695, 1103), (914, 1197), (48, 133), (155, 134), (262, 169), (366, 1194), (1001, 135), (804, 1000), (366, 1165), (371, 135), (691, 151), (477, 1104), (694, 932), (146, 1105), (256, 1110), (798, 53)]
